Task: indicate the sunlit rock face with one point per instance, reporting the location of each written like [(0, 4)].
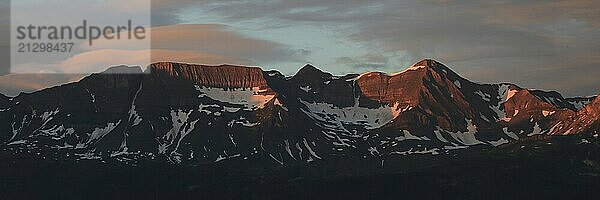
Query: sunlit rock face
[(401, 87), (224, 76), (586, 120), (590, 116), (429, 87), (206, 114)]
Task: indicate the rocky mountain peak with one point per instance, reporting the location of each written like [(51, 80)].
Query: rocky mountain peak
[(123, 69), (408, 85), (430, 64), (310, 72)]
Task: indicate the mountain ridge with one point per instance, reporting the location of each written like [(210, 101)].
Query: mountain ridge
[(198, 113)]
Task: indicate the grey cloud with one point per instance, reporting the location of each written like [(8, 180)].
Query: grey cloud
[(531, 43), (548, 39), (166, 12), (365, 62), (198, 43), (570, 77), (220, 40)]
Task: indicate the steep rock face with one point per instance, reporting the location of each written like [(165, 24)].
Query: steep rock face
[(381, 87), (586, 120), (224, 76), (592, 109), (525, 110), (590, 116), (427, 86), (522, 106)]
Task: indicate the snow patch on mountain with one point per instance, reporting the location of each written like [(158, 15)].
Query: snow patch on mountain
[(485, 97), (413, 68), (47, 116), (310, 150), (134, 116), (504, 94), (243, 122), (499, 142), (58, 132), (17, 142), (306, 88), (536, 130), (510, 134), (467, 138), (370, 118), (367, 74), (278, 103), (433, 151), (204, 108), (251, 98), (457, 83), (439, 135), (92, 96), (221, 157), (181, 127), (99, 133), (409, 136)]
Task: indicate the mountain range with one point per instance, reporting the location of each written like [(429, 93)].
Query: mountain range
[(186, 113)]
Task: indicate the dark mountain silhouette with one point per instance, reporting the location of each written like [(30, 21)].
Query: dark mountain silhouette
[(206, 114)]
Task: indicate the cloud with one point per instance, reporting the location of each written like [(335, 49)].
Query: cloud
[(211, 41), (193, 43), (575, 79), (538, 44), (547, 38), (368, 62), (535, 12), (220, 40), (96, 61), (167, 12)]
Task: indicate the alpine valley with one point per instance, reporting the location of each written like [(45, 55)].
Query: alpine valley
[(195, 131)]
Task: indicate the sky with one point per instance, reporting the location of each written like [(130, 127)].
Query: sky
[(549, 45)]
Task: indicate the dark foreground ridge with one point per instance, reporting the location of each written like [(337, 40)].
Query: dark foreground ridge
[(222, 131), (557, 168)]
